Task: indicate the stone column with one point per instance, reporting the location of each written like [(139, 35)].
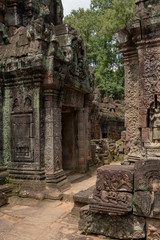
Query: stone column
[(82, 139), (1, 127), (55, 176), (4, 187), (87, 112), (131, 65)]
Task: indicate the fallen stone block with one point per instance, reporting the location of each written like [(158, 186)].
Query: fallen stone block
[(119, 227), (3, 199), (113, 193), (81, 199)]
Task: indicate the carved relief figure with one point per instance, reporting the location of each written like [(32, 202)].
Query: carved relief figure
[(154, 125)]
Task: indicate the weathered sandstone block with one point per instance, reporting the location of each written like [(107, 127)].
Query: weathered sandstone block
[(113, 193), (153, 229), (147, 189), (147, 176), (119, 227)]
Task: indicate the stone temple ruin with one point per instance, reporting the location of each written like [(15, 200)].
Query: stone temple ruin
[(45, 105), (126, 201), (44, 95)]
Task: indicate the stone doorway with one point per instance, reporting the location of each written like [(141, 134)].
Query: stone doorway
[(69, 139)]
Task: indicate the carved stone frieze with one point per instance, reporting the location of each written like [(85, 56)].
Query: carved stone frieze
[(73, 98), (113, 193), (115, 178), (112, 203)]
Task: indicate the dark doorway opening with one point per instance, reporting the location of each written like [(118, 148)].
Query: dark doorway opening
[(69, 139)]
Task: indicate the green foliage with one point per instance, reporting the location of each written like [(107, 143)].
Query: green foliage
[(98, 26)]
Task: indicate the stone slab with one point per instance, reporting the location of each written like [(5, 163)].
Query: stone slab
[(119, 227), (84, 196)]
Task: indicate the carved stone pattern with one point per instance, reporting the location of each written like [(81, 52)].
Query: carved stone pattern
[(147, 176), (153, 229), (22, 99), (114, 179), (1, 129), (73, 98), (151, 71), (57, 146), (131, 114), (113, 203), (22, 145)]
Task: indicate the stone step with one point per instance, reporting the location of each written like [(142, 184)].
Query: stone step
[(6, 188), (81, 199), (78, 186), (77, 177)]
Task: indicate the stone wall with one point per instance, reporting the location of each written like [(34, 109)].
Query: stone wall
[(140, 46), (107, 117)]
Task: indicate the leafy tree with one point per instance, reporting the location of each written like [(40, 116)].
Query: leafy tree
[(98, 26)]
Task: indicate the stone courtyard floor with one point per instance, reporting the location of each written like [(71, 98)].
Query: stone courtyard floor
[(30, 219)]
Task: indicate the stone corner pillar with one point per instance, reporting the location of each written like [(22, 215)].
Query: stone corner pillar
[(55, 176), (84, 136)]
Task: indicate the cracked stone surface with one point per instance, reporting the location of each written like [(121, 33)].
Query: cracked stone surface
[(30, 219)]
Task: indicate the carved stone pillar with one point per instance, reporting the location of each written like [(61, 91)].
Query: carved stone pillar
[(55, 176), (131, 64), (4, 188), (82, 139), (133, 135), (1, 128), (87, 122)]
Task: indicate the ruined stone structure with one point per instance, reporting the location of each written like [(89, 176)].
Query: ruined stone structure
[(140, 45), (125, 203), (44, 93), (107, 117)]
